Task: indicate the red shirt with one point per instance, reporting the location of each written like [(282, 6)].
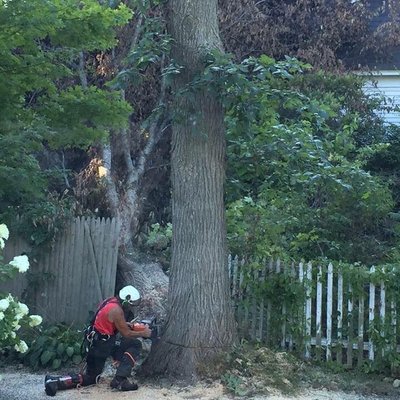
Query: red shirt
[(102, 324)]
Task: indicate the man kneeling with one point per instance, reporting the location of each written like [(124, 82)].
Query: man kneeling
[(109, 320)]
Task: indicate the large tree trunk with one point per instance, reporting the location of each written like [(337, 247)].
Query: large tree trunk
[(201, 323)]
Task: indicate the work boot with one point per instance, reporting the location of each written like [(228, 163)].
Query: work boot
[(122, 384)]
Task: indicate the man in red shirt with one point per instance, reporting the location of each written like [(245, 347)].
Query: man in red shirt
[(109, 320)]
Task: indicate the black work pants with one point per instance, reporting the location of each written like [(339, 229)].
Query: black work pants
[(126, 351)]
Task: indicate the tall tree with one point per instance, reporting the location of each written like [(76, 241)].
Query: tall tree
[(43, 104), (309, 30), (200, 322)]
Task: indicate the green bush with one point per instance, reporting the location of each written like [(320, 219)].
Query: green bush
[(55, 347), (158, 243), (159, 237)]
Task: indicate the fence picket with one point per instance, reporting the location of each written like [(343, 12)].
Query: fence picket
[(394, 328), (382, 312), (244, 292), (329, 304), (371, 316), (79, 258), (235, 282), (360, 344), (350, 328), (318, 320), (268, 332), (291, 322), (339, 318), (308, 312), (62, 290), (283, 326), (262, 305), (254, 307)]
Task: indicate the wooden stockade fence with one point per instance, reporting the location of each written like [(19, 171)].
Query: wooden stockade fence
[(334, 319), (74, 276)]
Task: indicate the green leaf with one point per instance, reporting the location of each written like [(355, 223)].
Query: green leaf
[(41, 340), (77, 348), (46, 357), (60, 348), (56, 363), (70, 351), (34, 358)]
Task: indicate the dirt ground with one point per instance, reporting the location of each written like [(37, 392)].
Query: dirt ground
[(19, 384), (250, 373)]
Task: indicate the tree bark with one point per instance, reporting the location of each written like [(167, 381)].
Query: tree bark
[(200, 323)]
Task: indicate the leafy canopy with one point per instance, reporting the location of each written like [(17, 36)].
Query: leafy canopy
[(47, 92)]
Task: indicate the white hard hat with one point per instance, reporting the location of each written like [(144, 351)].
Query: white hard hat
[(129, 294)]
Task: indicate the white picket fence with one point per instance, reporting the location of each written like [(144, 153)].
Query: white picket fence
[(334, 322)]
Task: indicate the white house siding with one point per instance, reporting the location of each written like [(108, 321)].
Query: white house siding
[(387, 84)]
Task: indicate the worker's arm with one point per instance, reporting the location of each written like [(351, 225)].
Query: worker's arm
[(116, 315)]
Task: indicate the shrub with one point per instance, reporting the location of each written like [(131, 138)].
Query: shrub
[(55, 347), (13, 314)]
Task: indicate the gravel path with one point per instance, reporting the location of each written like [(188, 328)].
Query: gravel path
[(21, 385)]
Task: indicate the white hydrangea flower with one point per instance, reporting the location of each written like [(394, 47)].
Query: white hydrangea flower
[(13, 335), (16, 325), (1, 243), (4, 233), (20, 262), (1, 315), (21, 347), (4, 304), (22, 309), (17, 317), (35, 320)]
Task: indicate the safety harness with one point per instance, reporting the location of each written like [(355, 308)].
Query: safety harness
[(90, 334)]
